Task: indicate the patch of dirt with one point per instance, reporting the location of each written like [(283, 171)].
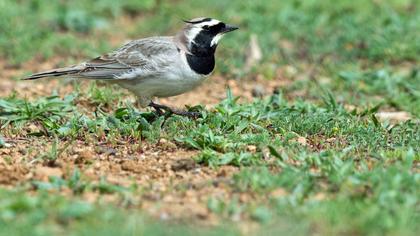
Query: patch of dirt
[(12, 174), (171, 184), (10, 79)]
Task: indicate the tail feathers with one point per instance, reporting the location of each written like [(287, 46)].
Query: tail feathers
[(53, 73)]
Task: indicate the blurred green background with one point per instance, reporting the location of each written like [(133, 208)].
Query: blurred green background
[(365, 51)]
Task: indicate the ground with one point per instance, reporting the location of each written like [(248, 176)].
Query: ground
[(310, 123), (160, 167)]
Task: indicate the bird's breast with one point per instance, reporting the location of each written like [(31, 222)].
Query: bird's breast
[(181, 80), (177, 78)]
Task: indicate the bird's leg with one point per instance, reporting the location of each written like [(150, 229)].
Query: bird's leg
[(170, 111)]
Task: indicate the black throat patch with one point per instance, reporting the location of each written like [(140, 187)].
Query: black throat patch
[(201, 65)]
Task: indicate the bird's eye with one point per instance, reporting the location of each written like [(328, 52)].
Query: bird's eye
[(206, 27)]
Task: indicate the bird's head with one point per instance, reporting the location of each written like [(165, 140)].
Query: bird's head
[(201, 36)]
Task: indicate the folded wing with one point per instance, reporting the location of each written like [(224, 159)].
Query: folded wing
[(137, 59)]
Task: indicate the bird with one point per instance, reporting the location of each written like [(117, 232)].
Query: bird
[(156, 67)]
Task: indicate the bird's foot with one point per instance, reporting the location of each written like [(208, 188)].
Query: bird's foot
[(170, 111)]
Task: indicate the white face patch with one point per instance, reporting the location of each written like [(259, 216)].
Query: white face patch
[(216, 39), (191, 33)]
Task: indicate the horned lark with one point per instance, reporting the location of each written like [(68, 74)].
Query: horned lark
[(156, 66)]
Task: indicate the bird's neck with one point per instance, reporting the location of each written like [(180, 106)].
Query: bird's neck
[(202, 65), (202, 49)]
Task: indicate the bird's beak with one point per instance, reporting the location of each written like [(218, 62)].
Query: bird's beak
[(229, 28)]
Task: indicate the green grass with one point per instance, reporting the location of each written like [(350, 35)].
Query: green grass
[(47, 214), (355, 175), (388, 190)]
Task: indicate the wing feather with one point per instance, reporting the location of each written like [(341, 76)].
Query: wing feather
[(139, 58)]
